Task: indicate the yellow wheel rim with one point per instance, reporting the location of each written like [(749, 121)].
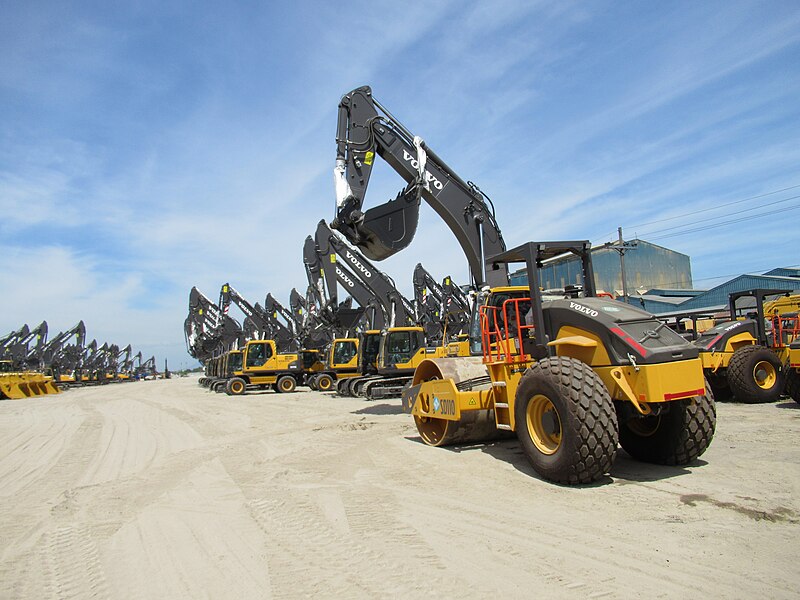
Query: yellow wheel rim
[(644, 426), (544, 424), (237, 387), (764, 375), (324, 383), (286, 385)]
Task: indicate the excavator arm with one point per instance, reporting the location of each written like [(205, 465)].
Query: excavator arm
[(367, 130), (333, 250), (257, 323), (283, 332), (208, 331), (428, 304), (34, 356), (10, 343), (325, 290), (456, 306), (53, 352)]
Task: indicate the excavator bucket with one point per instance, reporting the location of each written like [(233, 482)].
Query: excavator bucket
[(388, 228), (16, 386), (348, 317)]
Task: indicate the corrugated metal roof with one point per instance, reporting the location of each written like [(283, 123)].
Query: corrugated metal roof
[(666, 293), (718, 296), (784, 272)]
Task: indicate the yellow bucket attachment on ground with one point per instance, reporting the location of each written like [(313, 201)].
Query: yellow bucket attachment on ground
[(26, 384)]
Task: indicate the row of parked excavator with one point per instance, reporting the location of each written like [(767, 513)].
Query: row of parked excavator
[(573, 374), (322, 343), (31, 365)]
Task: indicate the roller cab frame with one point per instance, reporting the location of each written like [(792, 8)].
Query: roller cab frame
[(572, 378)]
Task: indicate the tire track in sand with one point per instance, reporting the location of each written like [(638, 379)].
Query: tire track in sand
[(71, 565)]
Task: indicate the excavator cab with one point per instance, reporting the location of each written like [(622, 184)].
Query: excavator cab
[(258, 353), (343, 353), (233, 363), (311, 361), (399, 346)]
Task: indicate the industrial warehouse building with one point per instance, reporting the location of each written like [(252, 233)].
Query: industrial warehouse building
[(647, 266)]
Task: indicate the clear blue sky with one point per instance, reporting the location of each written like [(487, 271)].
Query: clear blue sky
[(151, 146)]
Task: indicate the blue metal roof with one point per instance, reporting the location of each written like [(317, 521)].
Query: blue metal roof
[(719, 295), (784, 272)]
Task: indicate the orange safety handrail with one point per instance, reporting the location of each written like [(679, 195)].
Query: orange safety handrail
[(499, 342), (785, 329)]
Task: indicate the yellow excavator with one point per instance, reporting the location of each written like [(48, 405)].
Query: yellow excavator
[(260, 365)]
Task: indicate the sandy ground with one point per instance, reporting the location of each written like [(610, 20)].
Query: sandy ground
[(162, 489)]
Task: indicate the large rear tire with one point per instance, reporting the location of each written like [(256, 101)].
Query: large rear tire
[(676, 437), (235, 386), (754, 375), (565, 421), (286, 384), (792, 386)]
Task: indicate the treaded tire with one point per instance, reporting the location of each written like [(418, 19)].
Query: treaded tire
[(742, 375), (286, 384), (235, 386), (323, 382), (311, 382), (676, 437), (583, 438), (792, 385)]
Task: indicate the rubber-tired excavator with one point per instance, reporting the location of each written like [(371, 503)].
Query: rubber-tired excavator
[(259, 363), (573, 378)]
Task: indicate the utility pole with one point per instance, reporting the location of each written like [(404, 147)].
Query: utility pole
[(621, 246)]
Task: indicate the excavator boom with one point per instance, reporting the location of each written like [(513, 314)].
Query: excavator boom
[(366, 130)]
